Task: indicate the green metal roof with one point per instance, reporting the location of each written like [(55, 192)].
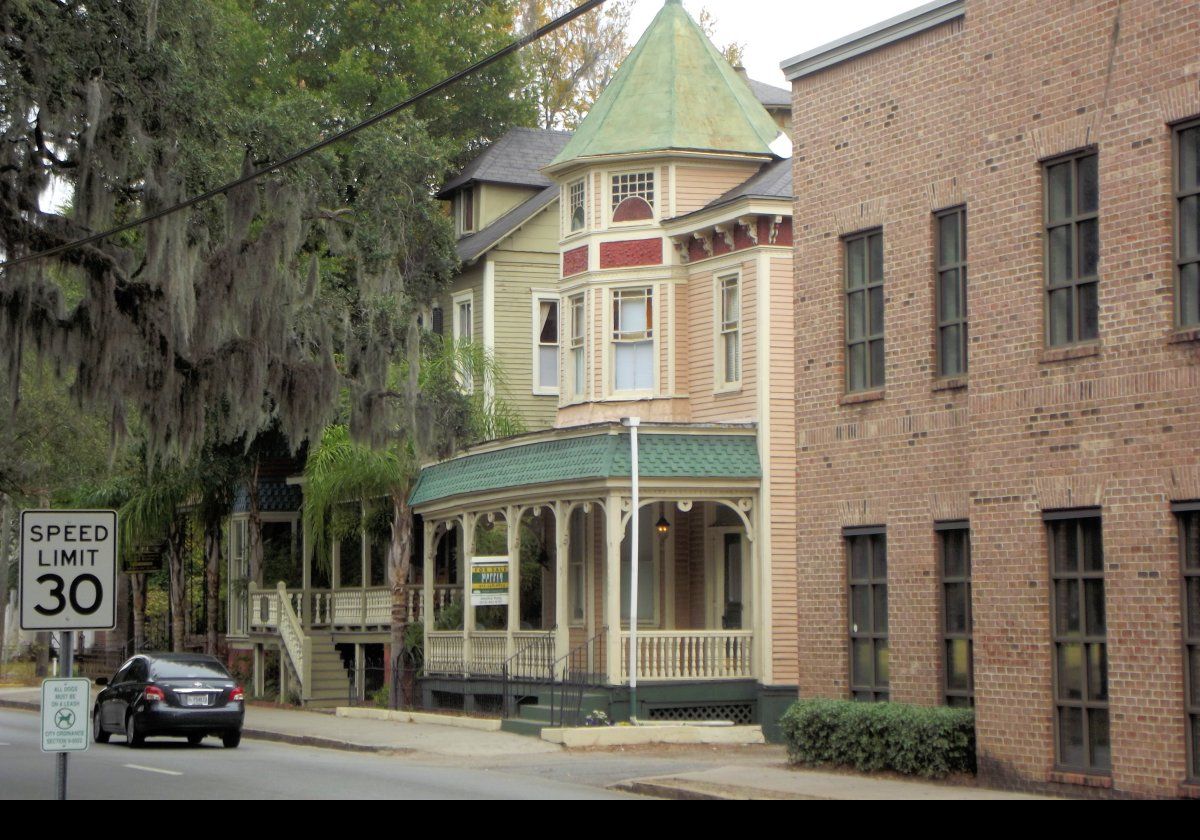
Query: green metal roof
[(596, 456), (674, 91)]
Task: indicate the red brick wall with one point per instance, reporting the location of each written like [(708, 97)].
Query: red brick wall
[(631, 252), (963, 113), (575, 261)]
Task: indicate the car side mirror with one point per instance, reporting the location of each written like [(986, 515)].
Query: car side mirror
[(102, 681)]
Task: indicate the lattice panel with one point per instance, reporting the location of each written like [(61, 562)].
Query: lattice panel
[(741, 714)]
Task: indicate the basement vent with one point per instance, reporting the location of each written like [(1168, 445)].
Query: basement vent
[(741, 714)]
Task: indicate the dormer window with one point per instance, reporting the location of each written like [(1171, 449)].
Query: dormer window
[(633, 197), (466, 210), (576, 196)]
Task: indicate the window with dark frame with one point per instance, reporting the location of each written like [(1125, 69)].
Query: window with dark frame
[(1079, 631), (866, 552), (952, 292), (1188, 515), (864, 310), (1072, 237), (954, 546), (1187, 224)]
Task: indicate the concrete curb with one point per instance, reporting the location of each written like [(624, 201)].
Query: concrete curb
[(678, 789), (624, 736), (21, 705), (322, 743), (401, 716)]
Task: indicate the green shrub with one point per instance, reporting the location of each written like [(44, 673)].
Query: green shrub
[(929, 741)]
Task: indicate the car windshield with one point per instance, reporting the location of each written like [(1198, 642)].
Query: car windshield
[(170, 669)]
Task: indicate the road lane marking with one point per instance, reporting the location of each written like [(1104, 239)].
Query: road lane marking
[(153, 770)]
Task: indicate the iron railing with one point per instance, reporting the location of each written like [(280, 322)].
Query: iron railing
[(527, 671), (578, 670)]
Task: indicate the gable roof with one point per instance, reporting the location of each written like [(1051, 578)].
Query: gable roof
[(475, 245), (769, 95), (675, 91), (516, 159)]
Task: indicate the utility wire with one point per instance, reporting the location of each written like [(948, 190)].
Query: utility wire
[(520, 43)]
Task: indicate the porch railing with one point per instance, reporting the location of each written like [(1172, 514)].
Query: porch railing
[(444, 652), (343, 609), (489, 650), (690, 655)]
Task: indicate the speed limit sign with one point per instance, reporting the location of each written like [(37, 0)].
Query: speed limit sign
[(68, 569)]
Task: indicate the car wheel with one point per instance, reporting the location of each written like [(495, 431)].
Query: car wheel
[(132, 737), (195, 739), (98, 733), (232, 739)]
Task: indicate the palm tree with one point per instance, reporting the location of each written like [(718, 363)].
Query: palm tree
[(439, 421)]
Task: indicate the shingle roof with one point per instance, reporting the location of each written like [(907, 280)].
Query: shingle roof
[(673, 91), (772, 181), (472, 247), (516, 158), (273, 497), (769, 95), (590, 457)]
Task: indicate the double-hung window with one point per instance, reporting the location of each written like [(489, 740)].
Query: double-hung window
[(729, 364), (577, 568), (1189, 551), (466, 210), (576, 212), (952, 292), (1080, 641), (464, 331), (864, 310), (633, 340), (954, 546), (1072, 209), (866, 550), (546, 346), (576, 346), (1187, 221)]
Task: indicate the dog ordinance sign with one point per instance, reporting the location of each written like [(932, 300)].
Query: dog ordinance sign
[(65, 715), (68, 569), (489, 581)]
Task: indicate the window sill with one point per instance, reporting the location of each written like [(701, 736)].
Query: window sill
[(543, 392), (862, 396), (1092, 780), (950, 383), (728, 391), (1074, 351), (1184, 336)]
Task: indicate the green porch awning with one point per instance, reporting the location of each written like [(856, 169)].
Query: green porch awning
[(598, 456)]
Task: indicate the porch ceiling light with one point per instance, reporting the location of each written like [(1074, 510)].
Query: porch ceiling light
[(662, 526)]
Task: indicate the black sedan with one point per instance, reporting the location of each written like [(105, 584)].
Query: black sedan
[(183, 694)]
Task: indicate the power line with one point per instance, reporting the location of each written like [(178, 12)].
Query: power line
[(520, 43)]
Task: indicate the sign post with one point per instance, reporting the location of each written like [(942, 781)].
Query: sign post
[(68, 582)]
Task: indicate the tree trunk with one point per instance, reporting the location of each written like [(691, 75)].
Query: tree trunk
[(138, 585), (176, 533), (212, 583), (399, 565), (6, 515)]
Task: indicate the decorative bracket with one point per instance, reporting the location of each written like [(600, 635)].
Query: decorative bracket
[(726, 233), (705, 241), (750, 223), (775, 223)]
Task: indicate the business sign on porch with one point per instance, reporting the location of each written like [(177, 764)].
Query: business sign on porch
[(489, 581)]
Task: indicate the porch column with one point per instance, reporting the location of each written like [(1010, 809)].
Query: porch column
[(512, 517), (562, 566), (468, 553), (612, 590), (259, 677), (427, 573)]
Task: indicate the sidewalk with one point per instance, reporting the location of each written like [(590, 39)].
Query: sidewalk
[(758, 772)]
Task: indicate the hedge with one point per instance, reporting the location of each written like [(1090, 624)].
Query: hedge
[(929, 741)]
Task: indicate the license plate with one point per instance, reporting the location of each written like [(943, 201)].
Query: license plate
[(195, 700)]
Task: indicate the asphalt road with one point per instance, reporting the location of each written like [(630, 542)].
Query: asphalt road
[(170, 769)]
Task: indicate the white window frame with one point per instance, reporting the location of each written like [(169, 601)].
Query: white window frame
[(462, 210), (649, 335), (579, 569), (540, 388), (569, 204), (576, 347), (723, 330), (652, 175), (464, 377)]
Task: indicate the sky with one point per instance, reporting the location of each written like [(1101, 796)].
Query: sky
[(776, 30)]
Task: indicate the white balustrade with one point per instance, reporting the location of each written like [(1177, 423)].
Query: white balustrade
[(690, 655), (444, 652), (489, 651)]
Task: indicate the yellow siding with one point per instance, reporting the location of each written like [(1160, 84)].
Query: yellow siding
[(701, 367), (696, 186), (495, 200)]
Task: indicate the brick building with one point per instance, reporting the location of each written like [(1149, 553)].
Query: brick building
[(997, 504)]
